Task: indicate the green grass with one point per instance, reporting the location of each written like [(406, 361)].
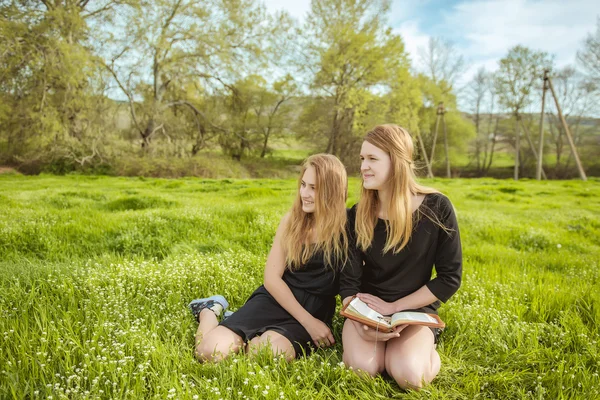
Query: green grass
[(96, 272)]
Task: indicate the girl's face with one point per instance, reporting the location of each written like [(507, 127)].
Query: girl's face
[(307, 189), (375, 166)]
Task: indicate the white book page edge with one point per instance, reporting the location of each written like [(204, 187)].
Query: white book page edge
[(413, 316), (360, 307)]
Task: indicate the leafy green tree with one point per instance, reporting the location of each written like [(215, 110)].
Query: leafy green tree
[(49, 85), (458, 130), (164, 45), (441, 66), (349, 54), (273, 110), (241, 119), (254, 111), (517, 76)]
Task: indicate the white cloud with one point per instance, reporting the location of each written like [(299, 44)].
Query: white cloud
[(401, 10), (490, 28), (413, 38), (484, 30), (296, 8)]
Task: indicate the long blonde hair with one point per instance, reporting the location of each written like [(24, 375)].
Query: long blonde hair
[(397, 142), (328, 221)]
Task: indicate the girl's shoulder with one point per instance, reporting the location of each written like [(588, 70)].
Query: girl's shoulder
[(437, 205), (437, 200)]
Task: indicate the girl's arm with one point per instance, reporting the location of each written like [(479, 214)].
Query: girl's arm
[(448, 255), (351, 274), (274, 269)]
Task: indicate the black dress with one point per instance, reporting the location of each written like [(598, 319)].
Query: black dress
[(392, 276), (314, 286)]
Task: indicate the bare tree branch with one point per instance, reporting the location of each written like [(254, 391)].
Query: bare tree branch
[(129, 96), (190, 105)]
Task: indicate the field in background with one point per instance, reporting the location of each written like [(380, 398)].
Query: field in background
[(282, 161), (96, 272)]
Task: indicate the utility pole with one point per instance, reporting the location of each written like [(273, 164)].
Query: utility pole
[(441, 111), (532, 147), (538, 171), (517, 146), (427, 164), (448, 173), (567, 132), (437, 125)]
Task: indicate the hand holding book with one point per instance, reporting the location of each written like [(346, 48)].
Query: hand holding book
[(378, 304), (357, 310)]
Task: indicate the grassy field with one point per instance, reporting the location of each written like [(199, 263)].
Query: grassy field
[(96, 273)]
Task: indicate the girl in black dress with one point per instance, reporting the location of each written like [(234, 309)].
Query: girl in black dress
[(292, 311), (402, 231)]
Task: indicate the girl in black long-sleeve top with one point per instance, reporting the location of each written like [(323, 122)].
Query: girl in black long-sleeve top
[(402, 230)]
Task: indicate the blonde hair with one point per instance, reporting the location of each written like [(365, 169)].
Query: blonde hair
[(328, 220), (397, 142)]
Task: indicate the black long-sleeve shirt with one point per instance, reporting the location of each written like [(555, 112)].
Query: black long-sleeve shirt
[(393, 276)]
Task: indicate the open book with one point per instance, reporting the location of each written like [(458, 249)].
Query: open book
[(357, 310)]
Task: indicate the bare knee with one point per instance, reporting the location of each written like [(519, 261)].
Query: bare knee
[(275, 342), (211, 350), (409, 379), (368, 365), (254, 346), (411, 374), (206, 353)]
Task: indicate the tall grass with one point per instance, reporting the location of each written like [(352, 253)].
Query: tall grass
[(96, 272)]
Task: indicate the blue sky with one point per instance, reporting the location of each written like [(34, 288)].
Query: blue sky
[(484, 30)]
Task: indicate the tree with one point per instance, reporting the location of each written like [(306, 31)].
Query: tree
[(442, 63), (492, 128), (457, 130), (167, 44), (589, 57), (478, 93), (515, 79), (49, 85), (272, 111), (348, 52)]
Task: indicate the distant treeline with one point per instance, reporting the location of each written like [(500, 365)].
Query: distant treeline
[(199, 79)]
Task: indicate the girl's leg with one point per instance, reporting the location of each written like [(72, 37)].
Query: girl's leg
[(412, 359), (214, 342), (279, 344), (361, 354)]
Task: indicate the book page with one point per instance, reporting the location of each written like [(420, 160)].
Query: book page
[(413, 316), (358, 306)]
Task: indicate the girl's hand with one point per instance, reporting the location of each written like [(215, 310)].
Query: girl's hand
[(382, 307), (372, 335), (319, 333)]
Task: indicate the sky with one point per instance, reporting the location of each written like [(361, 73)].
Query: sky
[(484, 30)]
